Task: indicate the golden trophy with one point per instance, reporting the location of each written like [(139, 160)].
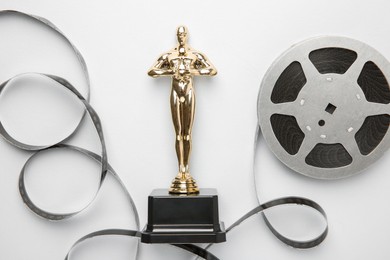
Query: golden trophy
[(182, 63), (184, 213)]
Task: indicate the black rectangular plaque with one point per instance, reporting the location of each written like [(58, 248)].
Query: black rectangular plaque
[(183, 218)]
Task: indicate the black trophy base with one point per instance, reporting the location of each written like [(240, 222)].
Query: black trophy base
[(181, 219)]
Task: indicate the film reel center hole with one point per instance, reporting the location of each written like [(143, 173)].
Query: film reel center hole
[(321, 122), (330, 108)]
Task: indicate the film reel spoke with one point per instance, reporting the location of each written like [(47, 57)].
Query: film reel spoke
[(288, 108), (311, 72), (356, 68), (372, 109), (352, 148), (307, 146)]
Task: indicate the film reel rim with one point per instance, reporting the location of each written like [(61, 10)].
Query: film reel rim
[(300, 51)]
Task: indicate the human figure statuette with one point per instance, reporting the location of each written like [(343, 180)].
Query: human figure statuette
[(182, 63)]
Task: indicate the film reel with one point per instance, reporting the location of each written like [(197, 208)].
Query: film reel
[(323, 107)]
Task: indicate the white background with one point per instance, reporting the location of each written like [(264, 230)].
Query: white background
[(120, 40)]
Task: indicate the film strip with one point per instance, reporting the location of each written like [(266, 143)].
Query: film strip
[(107, 169)]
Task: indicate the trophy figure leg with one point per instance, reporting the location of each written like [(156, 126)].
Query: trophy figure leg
[(183, 108)]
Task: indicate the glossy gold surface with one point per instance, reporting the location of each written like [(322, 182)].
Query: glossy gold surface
[(182, 63)]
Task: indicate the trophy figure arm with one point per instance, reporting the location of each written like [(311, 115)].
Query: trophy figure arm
[(203, 67), (161, 67)]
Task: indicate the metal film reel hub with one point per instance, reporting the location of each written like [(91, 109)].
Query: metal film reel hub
[(323, 107)]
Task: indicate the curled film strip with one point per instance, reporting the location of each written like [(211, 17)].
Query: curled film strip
[(102, 159), (81, 62), (106, 168)]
